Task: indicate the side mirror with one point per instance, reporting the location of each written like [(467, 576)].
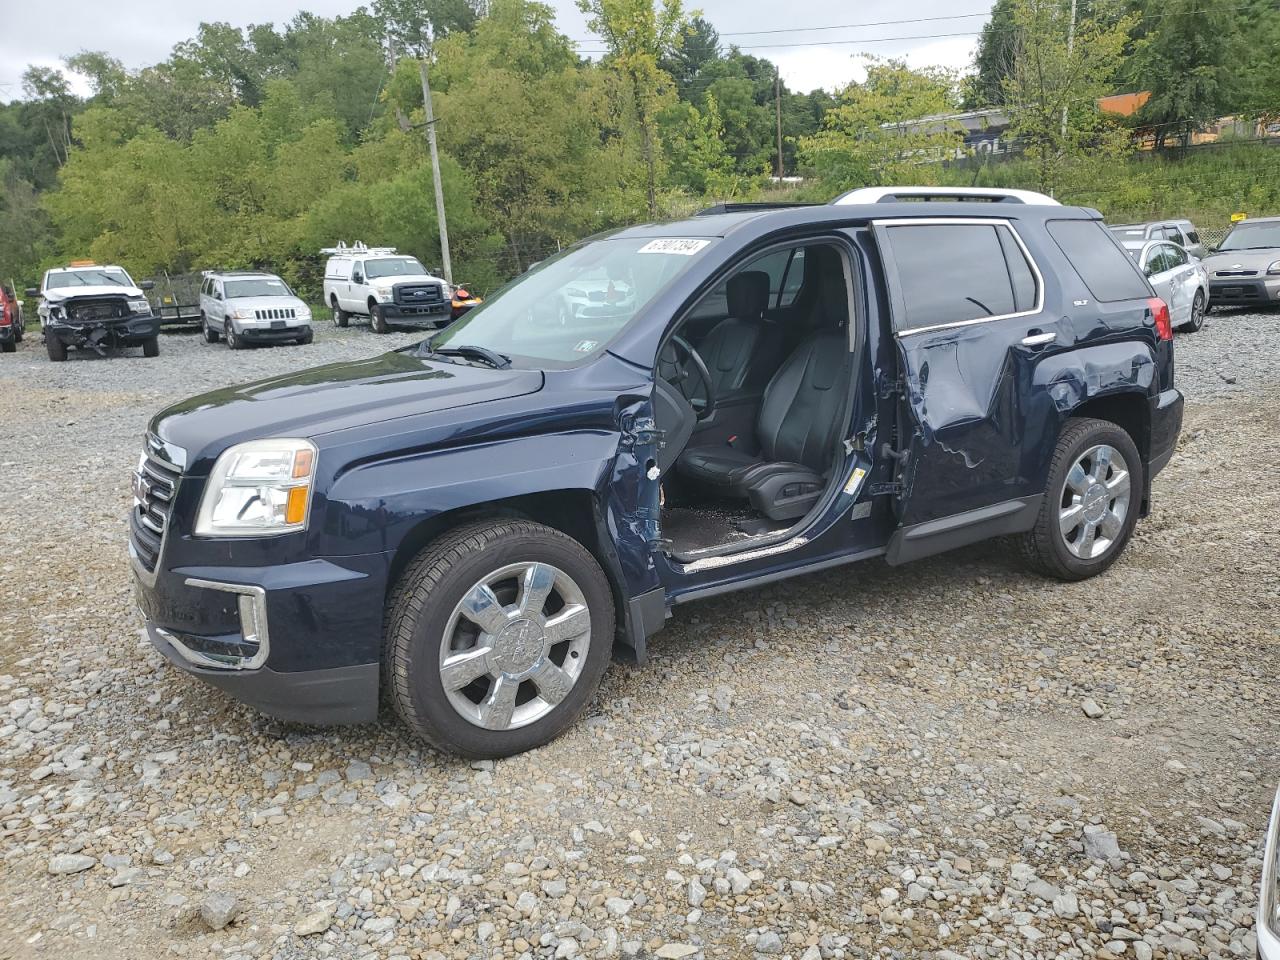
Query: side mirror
[(357, 278), (33, 291), (147, 285)]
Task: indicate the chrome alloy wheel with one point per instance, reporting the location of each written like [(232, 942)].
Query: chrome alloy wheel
[(1094, 502), (515, 645)]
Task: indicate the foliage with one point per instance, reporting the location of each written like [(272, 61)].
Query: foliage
[(1060, 70), (1187, 64), (869, 138)]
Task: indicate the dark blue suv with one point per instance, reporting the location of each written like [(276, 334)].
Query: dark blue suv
[(471, 526)]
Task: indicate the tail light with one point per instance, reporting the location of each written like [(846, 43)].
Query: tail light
[(1160, 310)]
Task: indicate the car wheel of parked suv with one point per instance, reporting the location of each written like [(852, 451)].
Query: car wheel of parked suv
[(1090, 504), (56, 348), (496, 637), (377, 319), (151, 346), (340, 317), (1197, 314), (233, 339), (307, 337), (210, 335)]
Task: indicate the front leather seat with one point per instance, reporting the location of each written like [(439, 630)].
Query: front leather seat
[(741, 352), (799, 419)]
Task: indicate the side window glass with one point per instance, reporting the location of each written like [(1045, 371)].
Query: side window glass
[(1193, 238), (357, 269), (775, 265), (952, 273), (1023, 280), (1175, 257)]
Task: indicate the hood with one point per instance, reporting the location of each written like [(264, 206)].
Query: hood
[(1238, 261), (266, 303), (60, 294), (310, 403)]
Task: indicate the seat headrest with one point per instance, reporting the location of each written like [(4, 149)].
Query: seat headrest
[(824, 286), (747, 294)]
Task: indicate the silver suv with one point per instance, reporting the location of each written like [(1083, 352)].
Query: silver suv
[(1135, 236), (248, 308)]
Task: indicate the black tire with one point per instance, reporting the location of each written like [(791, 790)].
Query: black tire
[(8, 346), (377, 319), (151, 346), (210, 334), (1044, 547), (18, 333), (340, 317), (422, 602), (1198, 311), (307, 337), (56, 348), (234, 340)]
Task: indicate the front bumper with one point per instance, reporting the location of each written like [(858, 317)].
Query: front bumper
[(298, 641), (426, 314), (128, 332), (276, 335), (1244, 291)]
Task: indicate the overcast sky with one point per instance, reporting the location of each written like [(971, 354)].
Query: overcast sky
[(142, 32)]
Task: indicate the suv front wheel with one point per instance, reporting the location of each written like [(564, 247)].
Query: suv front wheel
[(496, 638), (1090, 503), (340, 317)]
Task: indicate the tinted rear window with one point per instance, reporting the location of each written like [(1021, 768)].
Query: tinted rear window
[(1105, 270)]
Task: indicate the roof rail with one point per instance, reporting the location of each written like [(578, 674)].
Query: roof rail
[(746, 207), (989, 194), (356, 248)]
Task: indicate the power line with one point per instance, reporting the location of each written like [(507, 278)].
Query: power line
[(838, 26)]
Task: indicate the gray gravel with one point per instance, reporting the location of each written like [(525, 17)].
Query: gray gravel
[(952, 759)]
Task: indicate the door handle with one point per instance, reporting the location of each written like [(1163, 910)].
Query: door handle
[(1039, 339)]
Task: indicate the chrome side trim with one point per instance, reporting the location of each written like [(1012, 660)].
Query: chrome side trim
[(1268, 923), (253, 626), (973, 221)]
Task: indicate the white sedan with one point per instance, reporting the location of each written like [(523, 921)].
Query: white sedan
[(1179, 279)]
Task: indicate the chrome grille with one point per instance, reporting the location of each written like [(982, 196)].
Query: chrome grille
[(418, 294), (275, 313), (154, 486), (1236, 273)]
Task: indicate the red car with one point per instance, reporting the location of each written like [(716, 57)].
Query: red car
[(10, 321)]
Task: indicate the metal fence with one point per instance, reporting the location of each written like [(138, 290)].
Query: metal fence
[(1212, 236)]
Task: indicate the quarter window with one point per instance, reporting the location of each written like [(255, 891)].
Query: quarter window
[(958, 272), (1101, 264)]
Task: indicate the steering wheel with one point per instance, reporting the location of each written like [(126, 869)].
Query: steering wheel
[(704, 408)]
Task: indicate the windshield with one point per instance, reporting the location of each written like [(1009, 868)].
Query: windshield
[(393, 267), (258, 287), (88, 277), (1248, 236), (567, 308)]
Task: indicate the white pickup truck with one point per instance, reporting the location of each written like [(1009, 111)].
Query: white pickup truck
[(388, 288)]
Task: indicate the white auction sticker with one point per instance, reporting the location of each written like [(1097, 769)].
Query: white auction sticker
[(683, 247)]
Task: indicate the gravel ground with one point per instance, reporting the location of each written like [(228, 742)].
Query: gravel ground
[(951, 759)]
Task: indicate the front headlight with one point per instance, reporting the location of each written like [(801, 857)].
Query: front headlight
[(241, 314), (303, 313), (382, 293), (140, 306), (1274, 268), (258, 489)]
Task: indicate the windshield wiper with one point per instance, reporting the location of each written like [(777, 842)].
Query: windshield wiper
[(470, 351)]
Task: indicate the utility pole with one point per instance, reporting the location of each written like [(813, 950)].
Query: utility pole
[(777, 105), (445, 262), (1071, 43)]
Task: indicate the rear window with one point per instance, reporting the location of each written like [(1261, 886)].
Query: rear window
[(958, 272), (1105, 270)]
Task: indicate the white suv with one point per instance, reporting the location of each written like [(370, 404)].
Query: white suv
[(248, 308), (384, 286)]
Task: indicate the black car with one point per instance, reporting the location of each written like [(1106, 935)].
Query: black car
[(93, 307), (474, 524)]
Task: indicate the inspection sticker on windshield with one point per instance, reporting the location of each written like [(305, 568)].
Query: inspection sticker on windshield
[(585, 346), (683, 247)]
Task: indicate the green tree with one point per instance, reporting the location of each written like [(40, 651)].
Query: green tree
[(27, 236), (1052, 93), (993, 59), (638, 36), (699, 161), (872, 136), (1188, 63)]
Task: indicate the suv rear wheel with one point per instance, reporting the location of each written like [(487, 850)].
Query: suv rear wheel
[(1090, 503), (496, 638)]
